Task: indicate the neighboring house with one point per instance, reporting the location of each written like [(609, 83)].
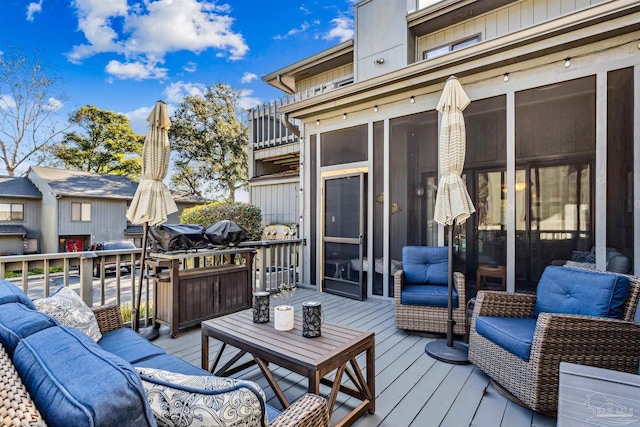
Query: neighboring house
[(553, 137), (80, 208), (19, 216)]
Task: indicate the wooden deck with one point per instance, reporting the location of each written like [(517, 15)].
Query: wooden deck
[(412, 389)]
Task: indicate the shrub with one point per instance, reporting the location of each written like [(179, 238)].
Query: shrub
[(245, 215), (126, 310)]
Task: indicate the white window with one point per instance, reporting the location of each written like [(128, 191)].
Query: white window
[(439, 51), (81, 212)]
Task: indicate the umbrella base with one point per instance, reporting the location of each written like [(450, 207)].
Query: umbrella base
[(456, 355), (150, 333)]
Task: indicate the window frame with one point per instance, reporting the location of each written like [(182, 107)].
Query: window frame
[(81, 212), (12, 213), (453, 46)]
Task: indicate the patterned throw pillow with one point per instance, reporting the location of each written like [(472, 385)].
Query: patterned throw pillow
[(179, 400), (69, 309)]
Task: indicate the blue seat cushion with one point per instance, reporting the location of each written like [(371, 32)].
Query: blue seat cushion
[(428, 295), (589, 293), (11, 293), (129, 345), (425, 264), (169, 362), (514, 334), (75, 383), (18, 321)]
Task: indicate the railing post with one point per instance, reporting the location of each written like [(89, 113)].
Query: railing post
[(86, 277)]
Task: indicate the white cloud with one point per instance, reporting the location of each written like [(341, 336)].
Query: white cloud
[(304, 10), (292, 32), (145, 32), (32, 9), (190, 67), (135, 70), (248, 78), (138, 119), (7, 102), (342, 29), (246, 101), (53, 104), (176, 92)]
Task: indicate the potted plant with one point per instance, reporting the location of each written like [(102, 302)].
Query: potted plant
[(283, 312)]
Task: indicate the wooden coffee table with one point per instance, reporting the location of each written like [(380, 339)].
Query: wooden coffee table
[(314, 358)]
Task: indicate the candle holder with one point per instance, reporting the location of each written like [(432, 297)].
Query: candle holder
[(311, 319), (261, 307)]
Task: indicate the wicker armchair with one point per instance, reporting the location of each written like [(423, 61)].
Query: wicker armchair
[(429, 318), (585, 340)]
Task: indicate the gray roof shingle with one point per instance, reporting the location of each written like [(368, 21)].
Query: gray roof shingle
[(88, 184), (16, 186)]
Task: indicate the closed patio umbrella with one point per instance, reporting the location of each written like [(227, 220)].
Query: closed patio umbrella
[(152, 202), (453, 204)]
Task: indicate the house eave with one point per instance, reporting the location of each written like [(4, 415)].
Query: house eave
[(324, 59), (585, 27)]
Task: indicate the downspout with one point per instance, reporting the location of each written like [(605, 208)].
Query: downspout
[(285, 117)]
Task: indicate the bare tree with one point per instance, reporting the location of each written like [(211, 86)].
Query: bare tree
[(28, 107)]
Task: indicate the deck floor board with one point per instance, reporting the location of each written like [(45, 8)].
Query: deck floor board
[(412, 389)]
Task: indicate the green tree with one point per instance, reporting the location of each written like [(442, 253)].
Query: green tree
[(29, 104), (209, 143), (105, 144)]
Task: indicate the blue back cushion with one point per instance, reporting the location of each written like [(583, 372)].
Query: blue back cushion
[(425, 264), (589, 293), (11, 293), (18, 321), (75, 383)]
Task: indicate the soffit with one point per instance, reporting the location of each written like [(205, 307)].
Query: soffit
[(585, 27), (448, 13)]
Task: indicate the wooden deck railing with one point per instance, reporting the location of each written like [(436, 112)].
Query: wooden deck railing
[(276, 263)]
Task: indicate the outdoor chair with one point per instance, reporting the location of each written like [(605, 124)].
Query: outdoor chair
[(421, 291), (577, 316)]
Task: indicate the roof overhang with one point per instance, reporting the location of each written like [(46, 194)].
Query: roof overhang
[(13, 230), (593, 24), (336, 56)]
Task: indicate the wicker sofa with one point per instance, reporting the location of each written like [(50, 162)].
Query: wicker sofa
[(523, 351), (17, 385), (421, 289)]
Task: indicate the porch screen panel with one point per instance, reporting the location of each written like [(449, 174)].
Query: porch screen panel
[(555, 153), (620, 113), (378, 208), (344, 146), (313, 205), (482, 239), (413, 169)]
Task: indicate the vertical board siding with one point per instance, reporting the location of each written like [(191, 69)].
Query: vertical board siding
[(502, 21), (108, 219), (279, 203)]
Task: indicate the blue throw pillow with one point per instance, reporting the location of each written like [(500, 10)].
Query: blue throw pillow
[(11, 293), (425, 264), (588, 293), (75, 383), (18, 321)]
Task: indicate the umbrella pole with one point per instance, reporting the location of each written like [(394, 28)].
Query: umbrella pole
[(135, 314), (449, 351)]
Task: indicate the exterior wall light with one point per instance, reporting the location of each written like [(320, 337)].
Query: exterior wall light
[(412, 100), (318, 122), (379, 61), (567, 62), (344, 116), (506, 77), (375, 108)]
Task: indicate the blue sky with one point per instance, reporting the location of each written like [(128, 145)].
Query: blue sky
[(124, 55)]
